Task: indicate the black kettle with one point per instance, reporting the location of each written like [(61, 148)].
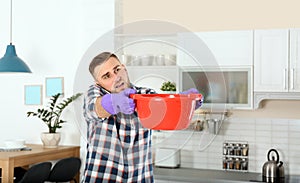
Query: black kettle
[(273, 169)]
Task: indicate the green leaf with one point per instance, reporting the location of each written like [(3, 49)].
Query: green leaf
[(51, 116), (168, 86)]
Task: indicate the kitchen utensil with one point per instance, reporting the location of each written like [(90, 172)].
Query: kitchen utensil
[(273, 169), (165, 111), (214, 125), (198, 125)]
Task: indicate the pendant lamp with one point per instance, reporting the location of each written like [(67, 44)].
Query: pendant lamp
[(10, 62)]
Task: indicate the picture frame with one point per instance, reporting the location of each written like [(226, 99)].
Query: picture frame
[(54, 85), (33, 94)]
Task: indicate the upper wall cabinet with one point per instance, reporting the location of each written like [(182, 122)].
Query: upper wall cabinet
[(219, 64), (276, 64), (224, 48), (294, 67), (271, 60)]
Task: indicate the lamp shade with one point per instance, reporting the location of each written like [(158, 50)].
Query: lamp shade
[(10, 62)]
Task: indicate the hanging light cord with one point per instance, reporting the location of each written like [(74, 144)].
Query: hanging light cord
[(10, 21)]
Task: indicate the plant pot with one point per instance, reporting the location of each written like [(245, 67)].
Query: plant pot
[(168, 92), (50, 140)]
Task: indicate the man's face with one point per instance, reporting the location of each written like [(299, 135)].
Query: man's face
[(112, 75)]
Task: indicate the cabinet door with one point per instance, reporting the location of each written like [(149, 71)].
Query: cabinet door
[(271, 60), (223, 48), (192, 51), (294, 74), (230, 48), (221, 87)]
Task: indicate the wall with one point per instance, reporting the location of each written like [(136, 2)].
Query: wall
[(202, 15), (287, 109), (276, 124), (50, 36)]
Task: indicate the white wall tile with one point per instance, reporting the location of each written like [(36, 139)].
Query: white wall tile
[(294, 141), (294, 135), (280, 122), (280, 128), (294, 128), (294, 122), (261, 135)]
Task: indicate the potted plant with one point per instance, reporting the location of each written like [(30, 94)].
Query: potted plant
[(168, 87), (51, 116)]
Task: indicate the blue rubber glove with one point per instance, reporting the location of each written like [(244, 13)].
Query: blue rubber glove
[(119, 102), (193, 91)]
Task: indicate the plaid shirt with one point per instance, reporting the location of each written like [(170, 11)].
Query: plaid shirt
[(118, 147)]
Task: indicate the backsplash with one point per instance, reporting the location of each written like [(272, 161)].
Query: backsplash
[(261, 134)]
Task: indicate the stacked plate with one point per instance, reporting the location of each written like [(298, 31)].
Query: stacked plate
[(13, 145)]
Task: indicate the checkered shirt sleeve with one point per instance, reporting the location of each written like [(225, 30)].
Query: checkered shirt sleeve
[(118, 147)]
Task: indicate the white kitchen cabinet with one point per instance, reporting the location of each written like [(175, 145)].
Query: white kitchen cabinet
[(276, 65), (222, 87), (271, 60), (210, 60), (192, 51), (222, 48), (276, 60), (294, 67)]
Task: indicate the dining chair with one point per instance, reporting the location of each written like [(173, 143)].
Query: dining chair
[(18, 173), (37, 173), (65, 170)]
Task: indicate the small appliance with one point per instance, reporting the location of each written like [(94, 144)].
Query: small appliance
[(167, 157)]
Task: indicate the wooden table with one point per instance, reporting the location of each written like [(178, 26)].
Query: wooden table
[(9, 160)]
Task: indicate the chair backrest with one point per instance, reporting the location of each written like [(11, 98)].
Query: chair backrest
[(65, 170), (37, 173)]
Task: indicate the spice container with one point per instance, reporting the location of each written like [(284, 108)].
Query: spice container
[(230, 151), (237, 164), (235, 156), (245, 149), (244, 164), (224, 163), (237, 151), (225, 148), (230, 164)]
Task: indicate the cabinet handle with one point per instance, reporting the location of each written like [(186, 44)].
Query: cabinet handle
[(284, 78), (292, 79)]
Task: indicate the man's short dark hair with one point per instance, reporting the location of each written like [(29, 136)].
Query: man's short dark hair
[(100, 59)]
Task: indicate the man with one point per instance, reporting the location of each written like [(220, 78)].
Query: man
[(118, 147)]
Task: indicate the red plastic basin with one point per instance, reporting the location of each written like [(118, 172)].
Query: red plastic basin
[(165, 111)]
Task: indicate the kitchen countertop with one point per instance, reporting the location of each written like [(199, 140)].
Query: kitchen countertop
[(211, 176)]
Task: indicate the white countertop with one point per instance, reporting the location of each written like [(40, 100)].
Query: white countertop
[(211, 176)]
